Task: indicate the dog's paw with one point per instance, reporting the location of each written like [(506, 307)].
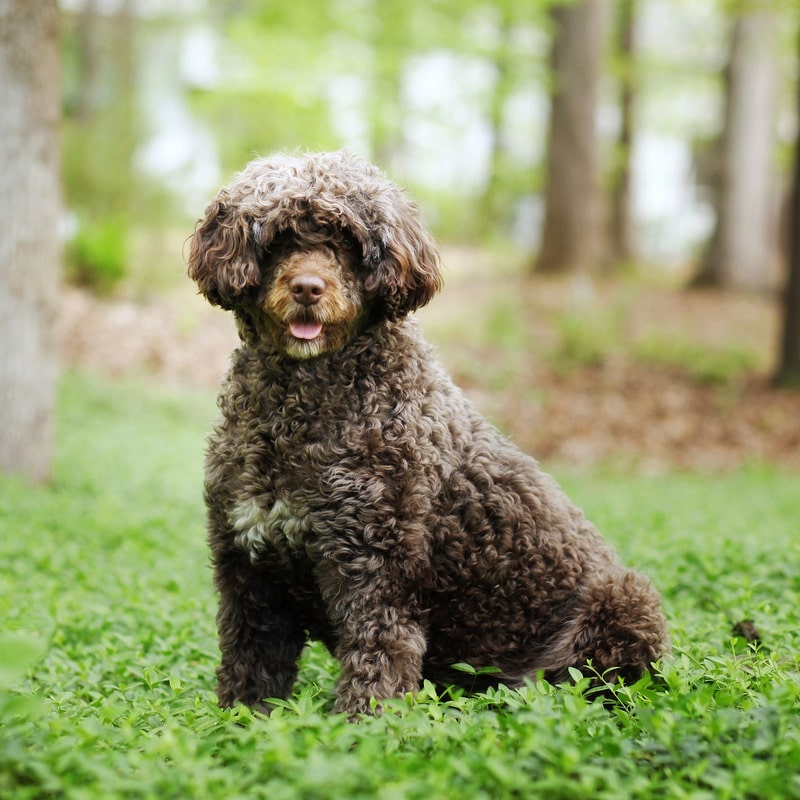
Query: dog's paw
[(228, 698), (358, 707)]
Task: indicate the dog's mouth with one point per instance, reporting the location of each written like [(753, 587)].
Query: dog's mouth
[(306, 337), (306, 331)]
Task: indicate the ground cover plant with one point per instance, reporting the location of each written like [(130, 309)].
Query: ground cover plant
[(108, 647)]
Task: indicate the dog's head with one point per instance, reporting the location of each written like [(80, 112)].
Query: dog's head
[(308, 250)]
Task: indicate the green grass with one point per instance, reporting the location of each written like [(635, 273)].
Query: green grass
[(587, 340), (107, 649), (704, 364)]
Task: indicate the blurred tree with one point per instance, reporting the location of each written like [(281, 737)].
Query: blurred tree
[(101, 134), (285, 80), (742, 252), (492, 210), (87, 57), (29, 233), (507, 31), (273, 88), (277, 88), (571, 233), (621, 244), (392, 45), (789, 359)]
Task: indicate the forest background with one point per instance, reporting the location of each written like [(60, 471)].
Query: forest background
[(584, 165), (581, 164), (452, 98)]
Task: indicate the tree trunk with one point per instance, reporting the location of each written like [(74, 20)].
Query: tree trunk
[(29, 239), (571, 232), (789, 366), (492, 207), (621, 244), (88, 62), (390, 28), (742, 252)]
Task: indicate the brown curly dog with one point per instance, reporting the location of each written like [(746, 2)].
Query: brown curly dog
[(354, 495)]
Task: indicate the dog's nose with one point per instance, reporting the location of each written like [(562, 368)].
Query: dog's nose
[(307, 289)]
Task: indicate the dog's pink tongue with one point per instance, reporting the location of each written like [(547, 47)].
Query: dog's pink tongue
[(305, 330)]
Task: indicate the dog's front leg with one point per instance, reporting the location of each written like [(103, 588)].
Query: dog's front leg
[(259, 637), (381, 648)]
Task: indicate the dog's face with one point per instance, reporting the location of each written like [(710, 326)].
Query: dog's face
[(309, 251), (312, 301)]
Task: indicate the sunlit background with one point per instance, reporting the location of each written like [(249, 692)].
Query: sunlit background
[(164, 100)]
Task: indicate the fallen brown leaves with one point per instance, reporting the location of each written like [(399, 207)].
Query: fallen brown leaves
[(656, 419)]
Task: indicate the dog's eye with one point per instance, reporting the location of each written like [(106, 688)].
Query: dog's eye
[(266, 255)]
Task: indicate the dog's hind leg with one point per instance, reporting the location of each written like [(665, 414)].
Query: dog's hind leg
[(259, 637), (618, 627)]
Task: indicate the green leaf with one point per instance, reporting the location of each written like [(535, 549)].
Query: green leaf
[(462, 667), (18, 652)]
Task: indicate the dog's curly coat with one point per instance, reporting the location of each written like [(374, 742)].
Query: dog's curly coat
[(353, 493)]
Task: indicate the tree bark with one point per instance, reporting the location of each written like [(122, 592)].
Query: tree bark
[(88, 62), (29, 237), (491, 203), (742, 252), (622, 239), (789, 364), (390, 21), (571, 231)]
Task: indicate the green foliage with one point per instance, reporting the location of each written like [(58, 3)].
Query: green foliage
[(102, 132), (585, 339), (500, 342), (322, 74), (502, 326), (588, 335), (17, 653), (592, 335), (106, 572), (258, 121), (319, 75), (97, 255), (276, 96), (705, 364)]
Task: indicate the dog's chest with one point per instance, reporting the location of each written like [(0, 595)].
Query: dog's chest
[(258, 526)]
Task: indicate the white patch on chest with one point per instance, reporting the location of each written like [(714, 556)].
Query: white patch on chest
[(256, 528)]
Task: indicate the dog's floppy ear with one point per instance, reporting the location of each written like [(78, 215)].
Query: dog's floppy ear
[(403, 263), (222, 255)]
